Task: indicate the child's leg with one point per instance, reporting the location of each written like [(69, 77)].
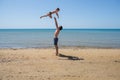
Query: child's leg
[(49, 14), (44, 16)]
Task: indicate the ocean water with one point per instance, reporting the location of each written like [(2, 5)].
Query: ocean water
[(43, 38)]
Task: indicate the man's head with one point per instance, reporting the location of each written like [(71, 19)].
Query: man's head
[(58, 9), (60, 27)]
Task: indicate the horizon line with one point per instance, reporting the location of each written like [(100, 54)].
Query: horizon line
[(63, 28)]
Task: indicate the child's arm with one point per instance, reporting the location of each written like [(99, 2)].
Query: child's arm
[(56, 23), (57, 15)]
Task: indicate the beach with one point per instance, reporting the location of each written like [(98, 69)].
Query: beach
[(72, 64)]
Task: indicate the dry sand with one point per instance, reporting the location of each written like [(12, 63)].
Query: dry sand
[(72, 64)]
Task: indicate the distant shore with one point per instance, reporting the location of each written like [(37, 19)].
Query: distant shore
[(73, 63)]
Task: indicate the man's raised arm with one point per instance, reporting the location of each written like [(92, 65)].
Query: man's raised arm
[(56, 23)]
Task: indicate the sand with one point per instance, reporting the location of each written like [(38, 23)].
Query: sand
[(72, 64)]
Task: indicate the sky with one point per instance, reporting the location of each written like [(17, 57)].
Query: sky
[(85, 14)]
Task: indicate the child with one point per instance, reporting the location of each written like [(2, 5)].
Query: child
[(58, 28), (50, 13)]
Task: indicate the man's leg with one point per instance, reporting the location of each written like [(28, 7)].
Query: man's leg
[(56, 47)]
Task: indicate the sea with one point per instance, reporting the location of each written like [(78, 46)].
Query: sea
[(43, 38)]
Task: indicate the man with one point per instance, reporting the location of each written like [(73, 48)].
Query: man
[(50, 13), (58, 29)]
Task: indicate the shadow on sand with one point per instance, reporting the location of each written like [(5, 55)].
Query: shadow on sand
[(70, 57)]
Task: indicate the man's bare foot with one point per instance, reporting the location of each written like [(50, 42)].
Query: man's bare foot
[(57, 54)]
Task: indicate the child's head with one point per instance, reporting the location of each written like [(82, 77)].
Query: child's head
[(60, 27), (58, 9)]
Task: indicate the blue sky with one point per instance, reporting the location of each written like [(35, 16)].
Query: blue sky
[(73, 13)]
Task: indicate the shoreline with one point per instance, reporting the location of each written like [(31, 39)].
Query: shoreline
[(65, 47)]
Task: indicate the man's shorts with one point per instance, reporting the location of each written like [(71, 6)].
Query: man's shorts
[(55, 41)]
